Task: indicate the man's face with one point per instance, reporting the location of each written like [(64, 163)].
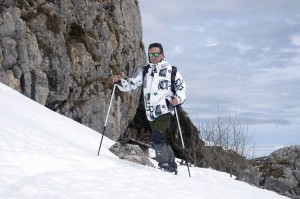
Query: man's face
[(155, 56)]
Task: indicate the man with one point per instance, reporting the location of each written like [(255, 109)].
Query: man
[(159, 100)]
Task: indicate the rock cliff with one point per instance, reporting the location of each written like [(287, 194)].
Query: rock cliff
[(62, 53)]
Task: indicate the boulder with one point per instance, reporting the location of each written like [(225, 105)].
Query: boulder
[(130, 152)]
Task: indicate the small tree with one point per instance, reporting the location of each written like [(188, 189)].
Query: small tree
[(227, 141), (227, 132)]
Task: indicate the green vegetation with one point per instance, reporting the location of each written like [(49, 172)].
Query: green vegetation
[(268, 169), (276, 173), (283, 161)]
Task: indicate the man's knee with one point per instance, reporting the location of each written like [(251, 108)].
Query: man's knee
[(157, 137)]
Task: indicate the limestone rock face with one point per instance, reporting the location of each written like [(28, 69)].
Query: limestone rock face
[(62, 55)]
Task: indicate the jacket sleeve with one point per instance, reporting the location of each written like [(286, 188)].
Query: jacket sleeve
[(180, 88), (131, 83)]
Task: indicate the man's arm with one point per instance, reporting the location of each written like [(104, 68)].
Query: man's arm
[(180, 89), (129, 84)]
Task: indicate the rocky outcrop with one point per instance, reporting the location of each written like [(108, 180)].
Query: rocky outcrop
[(62, 55), (279, 172), (131, 152)]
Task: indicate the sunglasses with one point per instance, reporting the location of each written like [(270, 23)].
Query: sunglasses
[(153, 54)]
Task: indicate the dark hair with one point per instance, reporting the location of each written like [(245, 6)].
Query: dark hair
[(157, 45)]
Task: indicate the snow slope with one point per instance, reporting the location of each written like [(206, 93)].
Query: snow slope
[(46, 155)]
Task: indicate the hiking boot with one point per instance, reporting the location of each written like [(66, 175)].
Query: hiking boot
[(170, 167), (173, 167), (163, 165)]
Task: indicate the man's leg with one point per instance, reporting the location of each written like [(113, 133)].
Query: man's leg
[(163, 151)]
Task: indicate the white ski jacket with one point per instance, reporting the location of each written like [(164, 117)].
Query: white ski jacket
[(157, 89)]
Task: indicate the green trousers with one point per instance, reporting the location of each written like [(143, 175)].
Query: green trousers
[(161, 123), (163, 150)]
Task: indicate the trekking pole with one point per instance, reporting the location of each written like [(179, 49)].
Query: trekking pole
[(104, 128), (187, 164)]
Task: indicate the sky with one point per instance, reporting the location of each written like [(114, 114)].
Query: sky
[(46, 155), (239, 56)]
